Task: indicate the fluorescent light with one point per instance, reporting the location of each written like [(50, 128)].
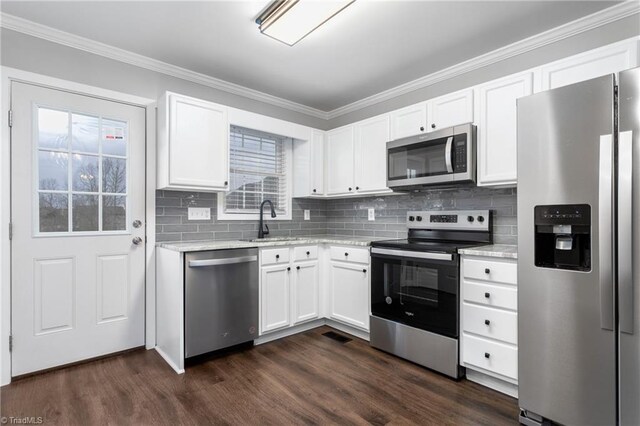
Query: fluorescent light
[(289, 21)]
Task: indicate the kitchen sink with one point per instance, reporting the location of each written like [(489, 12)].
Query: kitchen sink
[(258, 240)]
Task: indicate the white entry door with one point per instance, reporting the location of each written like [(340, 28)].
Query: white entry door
[(77, 194)]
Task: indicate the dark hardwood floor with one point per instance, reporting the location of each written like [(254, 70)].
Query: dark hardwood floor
[(303, 379)]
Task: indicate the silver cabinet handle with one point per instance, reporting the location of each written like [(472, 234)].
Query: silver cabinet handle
[(447, 154), (137, 241), (625, 231), (226, 261), (605, 222)]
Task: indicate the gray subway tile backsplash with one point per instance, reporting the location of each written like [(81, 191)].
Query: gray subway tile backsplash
[(336, 217)]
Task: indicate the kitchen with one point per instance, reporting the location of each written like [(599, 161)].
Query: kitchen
[(373, 246)]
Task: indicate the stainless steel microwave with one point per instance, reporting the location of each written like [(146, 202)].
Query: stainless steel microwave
[(443, 158)]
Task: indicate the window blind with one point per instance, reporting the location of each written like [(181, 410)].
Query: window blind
[(257, 171)]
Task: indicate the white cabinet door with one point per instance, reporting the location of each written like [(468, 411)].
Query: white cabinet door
[(497, 128), (349, 294), (317, 163), (450, 110), (275, 297), (409, 121), (198, 145), (305, 291), (595, 63), (340, 162), (371, 154)]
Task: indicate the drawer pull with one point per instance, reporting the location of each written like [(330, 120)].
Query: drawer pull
[(346, 254), (364, 270), (487, 295), (486, 322), (487, 355), (487, 270), (308, 253), (288, 268), (277, 256)]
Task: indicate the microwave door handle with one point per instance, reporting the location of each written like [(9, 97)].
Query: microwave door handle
[(625, 232), (448, 153)]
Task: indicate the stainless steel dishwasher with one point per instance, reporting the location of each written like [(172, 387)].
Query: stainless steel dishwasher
[(221, 299)]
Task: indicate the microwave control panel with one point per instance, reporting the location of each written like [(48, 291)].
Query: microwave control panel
[(460, 153)]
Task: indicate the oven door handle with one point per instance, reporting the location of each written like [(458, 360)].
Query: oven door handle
[(448, 153), (412, 254)]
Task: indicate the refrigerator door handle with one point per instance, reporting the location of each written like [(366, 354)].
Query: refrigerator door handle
[(605, 236), (625, 231)]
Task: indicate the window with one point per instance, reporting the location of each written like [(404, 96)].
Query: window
[(81, 173), (258, 171)]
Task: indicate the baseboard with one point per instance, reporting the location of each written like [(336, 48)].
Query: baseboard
[(275, 335), (492, 382), (169, 361)]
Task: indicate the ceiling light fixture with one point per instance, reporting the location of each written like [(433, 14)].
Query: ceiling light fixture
[(289, 21)]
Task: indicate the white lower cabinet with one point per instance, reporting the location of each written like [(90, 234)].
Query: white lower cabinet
[(289, 287), (305, 292), (349, 293), (489, 322), (275, 298)]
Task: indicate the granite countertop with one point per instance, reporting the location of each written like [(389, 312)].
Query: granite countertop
[(268, 242), (496, 250)]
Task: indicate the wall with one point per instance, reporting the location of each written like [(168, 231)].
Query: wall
[(592, 39), (349, 216), (172, 223), (43, 57)]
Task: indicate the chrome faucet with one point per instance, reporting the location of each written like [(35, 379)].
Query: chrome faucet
[(263, 229)]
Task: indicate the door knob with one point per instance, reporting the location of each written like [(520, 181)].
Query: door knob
[(137, 223), (137, 241)]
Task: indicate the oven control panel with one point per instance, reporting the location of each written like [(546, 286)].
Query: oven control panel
[(455, 220)]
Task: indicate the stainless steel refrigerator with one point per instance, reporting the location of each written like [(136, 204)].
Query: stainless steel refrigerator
[(579, 253)]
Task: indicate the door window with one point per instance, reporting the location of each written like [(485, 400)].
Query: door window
[(82, 173)]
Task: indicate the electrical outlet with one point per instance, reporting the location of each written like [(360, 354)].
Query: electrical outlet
[(199, 213), (307, 215), (372, 214)]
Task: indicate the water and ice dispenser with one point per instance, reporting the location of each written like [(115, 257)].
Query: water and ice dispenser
[(563, 236)]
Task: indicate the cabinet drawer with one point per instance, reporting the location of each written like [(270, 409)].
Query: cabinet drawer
[(489, 270), (497, 357), (275, 256), (350, 254), (489, 322), (305, 253), (491, 295)]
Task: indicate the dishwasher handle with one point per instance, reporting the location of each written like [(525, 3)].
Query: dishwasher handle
[(225, 261)]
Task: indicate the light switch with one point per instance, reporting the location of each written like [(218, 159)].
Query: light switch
[(307, 215), (199, 213), (372, 214)]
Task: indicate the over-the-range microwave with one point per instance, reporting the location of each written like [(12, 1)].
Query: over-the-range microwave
[(442, 158)]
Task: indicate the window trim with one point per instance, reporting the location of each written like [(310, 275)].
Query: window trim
[(222, 215)]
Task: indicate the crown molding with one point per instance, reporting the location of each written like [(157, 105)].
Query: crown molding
[(589, 22), (44, 32), (570, 29)]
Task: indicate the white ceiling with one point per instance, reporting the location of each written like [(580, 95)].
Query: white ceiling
[(370, 47)]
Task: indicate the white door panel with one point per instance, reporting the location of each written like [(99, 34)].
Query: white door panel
[(77, 277), (371, 137)]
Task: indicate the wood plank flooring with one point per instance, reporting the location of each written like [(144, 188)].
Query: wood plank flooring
[(303, 379)]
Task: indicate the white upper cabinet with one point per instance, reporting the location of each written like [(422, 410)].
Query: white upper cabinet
[(594, 63), (450, 110), (497, 128), (308, 163), (193, 144), (371, 137), (340, 161), (409, 121)]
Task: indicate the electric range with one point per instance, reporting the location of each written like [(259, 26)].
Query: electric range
[(415, 287)]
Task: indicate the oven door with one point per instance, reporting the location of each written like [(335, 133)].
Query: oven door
[(420, 161), (418, 289)]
